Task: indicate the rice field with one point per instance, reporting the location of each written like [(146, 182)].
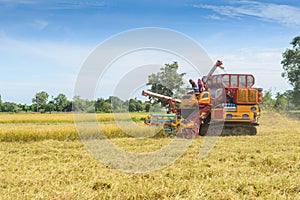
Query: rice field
[(42, 157), (35, 127)]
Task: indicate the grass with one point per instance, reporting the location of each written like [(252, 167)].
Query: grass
[(273, 123), (294, 114), (265, 166)]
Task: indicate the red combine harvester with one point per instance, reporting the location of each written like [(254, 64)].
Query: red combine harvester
[(228, 106)]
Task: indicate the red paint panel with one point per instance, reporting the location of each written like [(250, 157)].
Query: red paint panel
[(218, 114)]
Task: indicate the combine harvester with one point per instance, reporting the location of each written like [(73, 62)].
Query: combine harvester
[(227, 106)]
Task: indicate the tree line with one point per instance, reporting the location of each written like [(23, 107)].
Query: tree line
[(43, 104), (279, 101)]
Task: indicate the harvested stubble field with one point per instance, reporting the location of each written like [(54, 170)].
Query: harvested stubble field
[(43, 158)]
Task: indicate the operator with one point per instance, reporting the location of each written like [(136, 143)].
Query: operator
[(229, 97), (194, 86), (200, 85)]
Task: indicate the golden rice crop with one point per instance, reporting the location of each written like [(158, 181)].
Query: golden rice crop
[(65, 117), (265, 166), (68, 131), (36, 118), (243, 167), (60, 126), (34, 132), (274, 123)]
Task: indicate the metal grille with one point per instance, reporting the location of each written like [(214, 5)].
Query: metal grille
[(247, 95), (252, 95), (242, 96)]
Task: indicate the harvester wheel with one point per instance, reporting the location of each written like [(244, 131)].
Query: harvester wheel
[(214, 130), (238, 130)]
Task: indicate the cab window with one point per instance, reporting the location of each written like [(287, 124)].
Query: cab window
[(226, 80), (234, 81), (250, 81), (209, 83), (214, 80), (219, 79), (186, 97), (205, 95), (242, 81)]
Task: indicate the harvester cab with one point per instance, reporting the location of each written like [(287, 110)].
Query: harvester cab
[(236, 102), (201, 99)]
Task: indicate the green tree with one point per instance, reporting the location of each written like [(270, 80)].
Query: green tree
[(139, 106), (167, 82), (268, 102), (147, 107), (135, 105), (289, 97), (61, 102), (291, 66), (24, 107), (102, 105), (280, 102), (40, 99), (117, 105), (83, 105), (69, 106), (132, 107), (50, 106), (10, 107)]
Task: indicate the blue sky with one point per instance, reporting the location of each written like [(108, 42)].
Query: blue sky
[(44, 43)]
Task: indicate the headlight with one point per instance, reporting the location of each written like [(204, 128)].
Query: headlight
[(245, 116), (229, 116)]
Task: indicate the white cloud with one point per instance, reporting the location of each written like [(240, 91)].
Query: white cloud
[(280, 13), (40, 24), (76, 4), (214, 17)]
